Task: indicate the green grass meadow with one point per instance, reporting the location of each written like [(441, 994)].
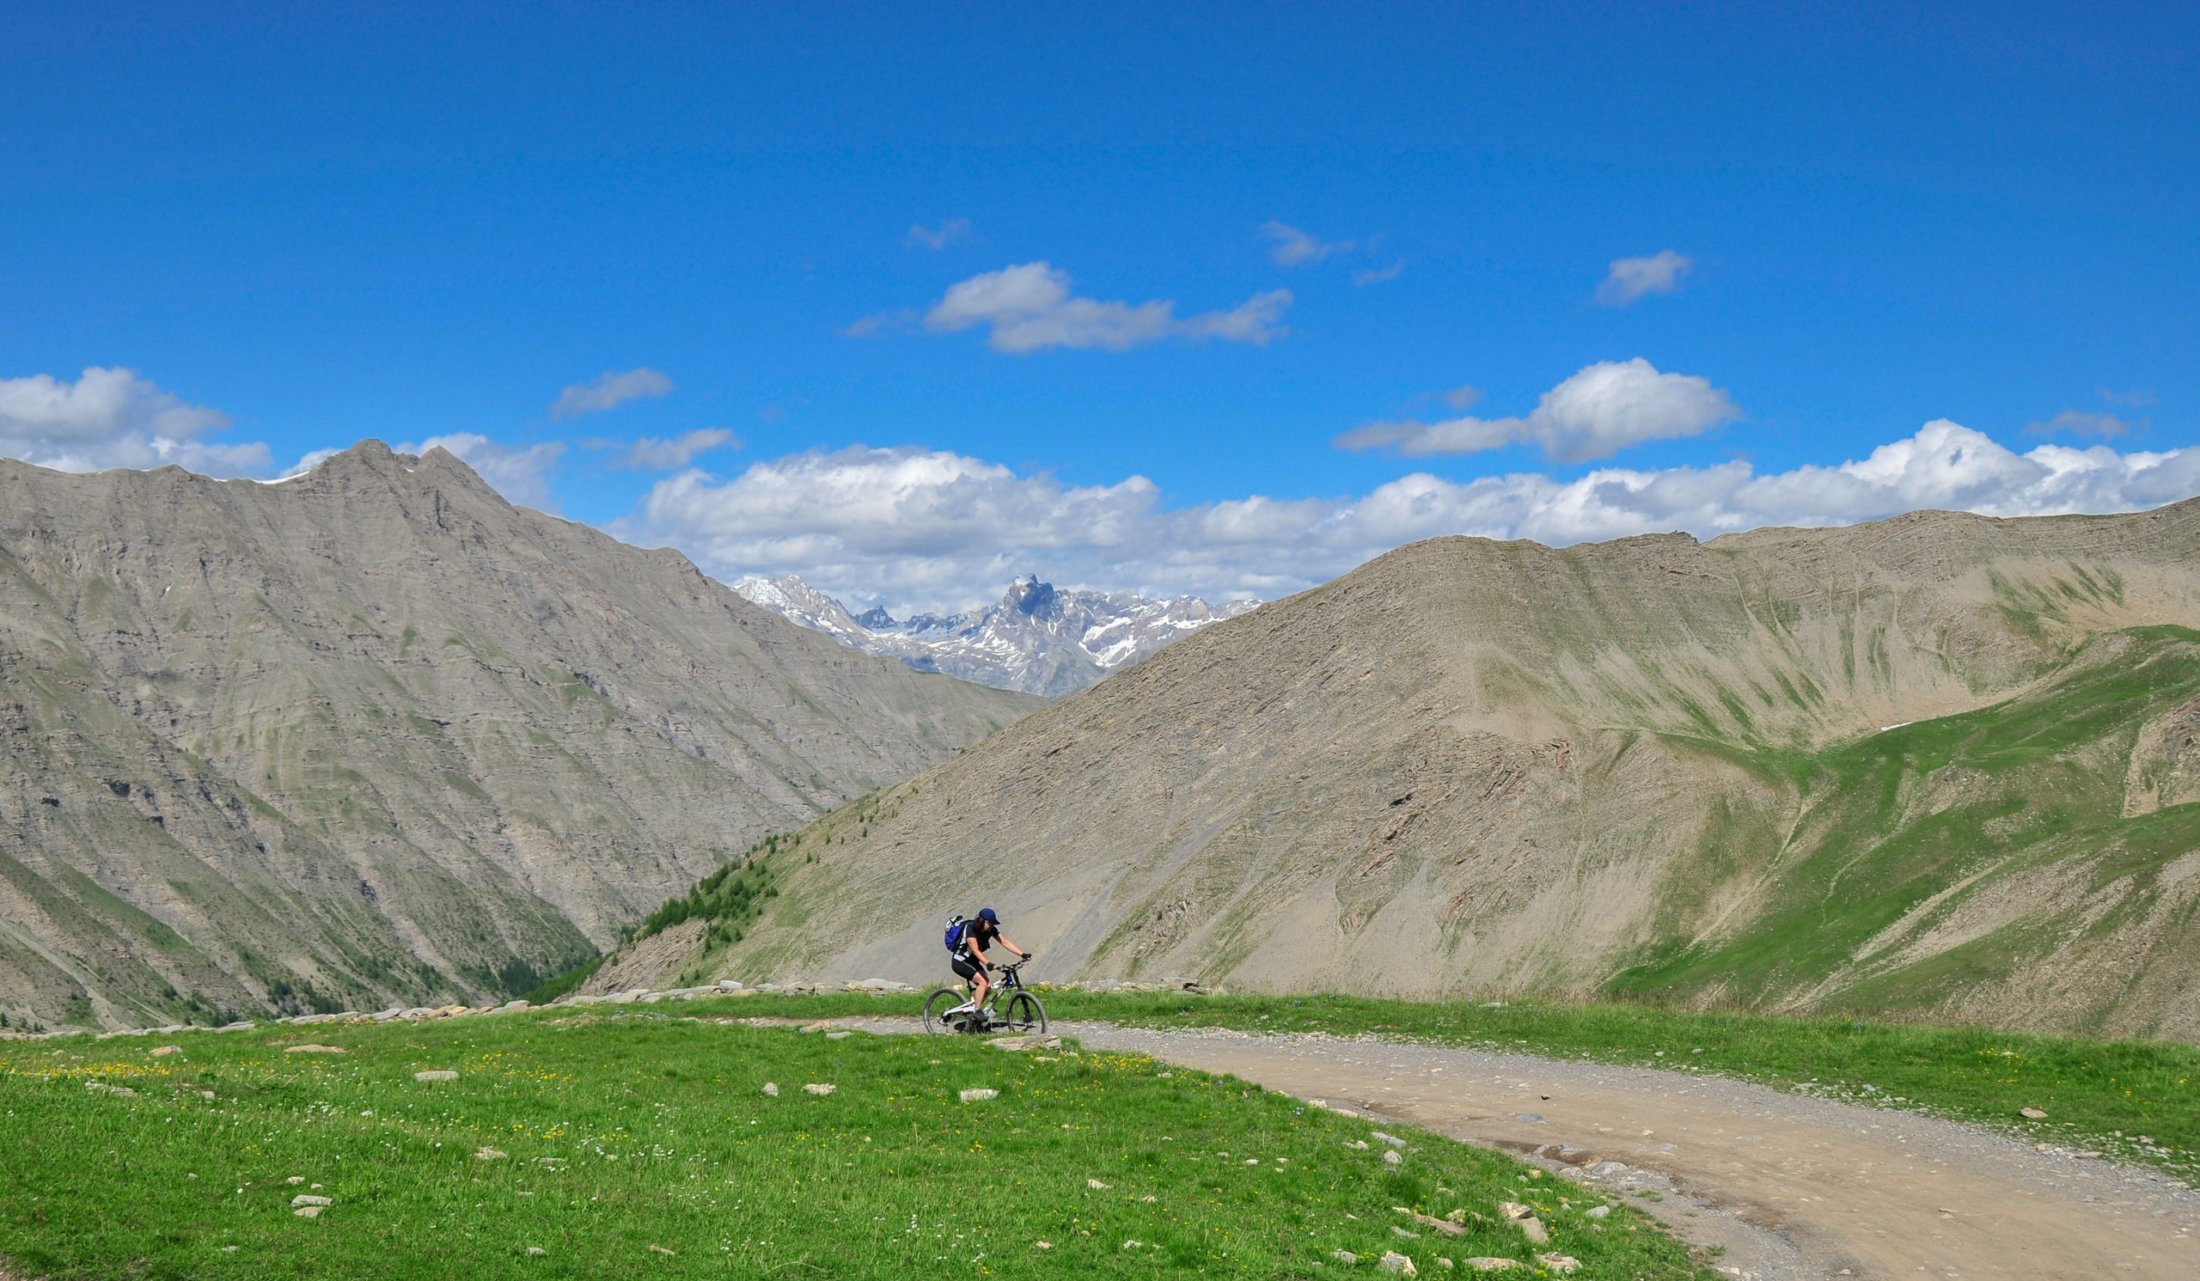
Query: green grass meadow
[(641, 1142), (2136, 1101)]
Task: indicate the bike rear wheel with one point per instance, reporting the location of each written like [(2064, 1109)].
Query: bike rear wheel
[(1021, 1012), (936, 1007)]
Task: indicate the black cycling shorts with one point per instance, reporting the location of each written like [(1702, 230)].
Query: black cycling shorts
[(965, 970)]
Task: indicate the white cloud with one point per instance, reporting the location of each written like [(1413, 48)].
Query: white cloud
[(651, 453), (1377, 275), (111, 417), (521, 474), (940, 237), (1631, 278), (1291, 247), (1600, 410), (2136, 398), (609, 391), (1030, 307), (918, 529)]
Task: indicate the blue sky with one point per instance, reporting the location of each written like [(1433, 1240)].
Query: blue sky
[(956, 294)]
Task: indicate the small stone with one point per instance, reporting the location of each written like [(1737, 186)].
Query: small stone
[(309, 1211), (841, 1035), (1345, 1257), (489, 1154), (1562, 1264), (1042, 1245), (315, 1049), (295, 1179), (1392, 1261), (307, 1198), (2029, 1114), (163, 1051), (438, 1074), (1487, 1263), (1599, 1211), (1528, 1118), (1096, 1185), (1444, 1262), (658, 1249), (1397, 1231), (978, 1095), (1131, 1244), (1394, 1157), (536, 1252), (772, 1088), (1392, 1139), (819, 1026), (819, 1088)]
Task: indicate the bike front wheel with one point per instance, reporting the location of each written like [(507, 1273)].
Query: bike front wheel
[(936, 1007), (1023, 1013)]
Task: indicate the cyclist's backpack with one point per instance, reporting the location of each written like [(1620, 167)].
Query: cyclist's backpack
[(955, 927)]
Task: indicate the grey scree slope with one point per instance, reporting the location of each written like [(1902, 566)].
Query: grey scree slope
[(1492, 768), (375, 735)]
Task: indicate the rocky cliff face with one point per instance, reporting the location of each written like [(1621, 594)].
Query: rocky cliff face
[(1038, 638), (1941, 764), (374, 735)]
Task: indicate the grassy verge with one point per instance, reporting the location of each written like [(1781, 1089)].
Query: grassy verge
[(2135, 1100), (642, 1142)]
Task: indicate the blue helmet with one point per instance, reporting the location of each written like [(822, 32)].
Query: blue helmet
[(988, 914)]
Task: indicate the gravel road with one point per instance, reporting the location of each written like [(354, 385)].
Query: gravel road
[(1786, 1186)]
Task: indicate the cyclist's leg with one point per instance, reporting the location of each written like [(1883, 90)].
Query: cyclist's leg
[(970, 976), (984, 983)]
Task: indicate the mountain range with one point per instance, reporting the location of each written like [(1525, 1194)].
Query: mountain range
[(372, 735), (1938, 766), (1038, 638)]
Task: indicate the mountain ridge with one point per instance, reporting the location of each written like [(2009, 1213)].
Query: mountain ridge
[(1610, 769), (372, 734)]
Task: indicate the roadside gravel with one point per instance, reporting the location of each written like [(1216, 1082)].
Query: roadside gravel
[(1778, 1185)]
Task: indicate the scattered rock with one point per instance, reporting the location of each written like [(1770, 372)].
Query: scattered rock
[(1608, 1169), (979, 1095), (536, 1252), (304, 1199), (1524, 1218), (163, 1051), (1562, 1264), (1487, 1263), (1392, 1139), (295, 1179), (1096, 1185), (840, 1035), (489, 1154), (315, 1049), (772, 1088), (1445, 1226), (819, 1088), (2029, 1114), (101, 1087), (309, 1211), (438, 1074), (1397, 1231), (658, 1249), (1392, 1261), (1528, 1118), (820, 1026), (1599, 1211), (1394, 1157), (1345, 1257)]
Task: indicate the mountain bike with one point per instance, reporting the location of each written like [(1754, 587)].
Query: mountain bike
[(949, 1009)]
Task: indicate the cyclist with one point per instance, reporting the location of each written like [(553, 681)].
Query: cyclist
[(969, 957)]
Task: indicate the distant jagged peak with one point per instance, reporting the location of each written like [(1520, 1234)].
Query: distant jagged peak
[(1038, 638)]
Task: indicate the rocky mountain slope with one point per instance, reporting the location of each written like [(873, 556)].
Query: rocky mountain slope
[(1038, 638), (1941, 765), (372, 735)]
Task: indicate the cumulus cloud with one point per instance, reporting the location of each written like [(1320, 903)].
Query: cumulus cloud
[(940, 237), (609, 391), (1631, 278), (917, 529), (1031, 307), (111, 417), (1600, 410), (1291, 247), (652, 453), (520, 473)]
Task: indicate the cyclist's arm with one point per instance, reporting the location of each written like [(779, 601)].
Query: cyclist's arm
[(1021, 954)]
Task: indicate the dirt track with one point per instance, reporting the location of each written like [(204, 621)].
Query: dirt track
[(1787, 1186)]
